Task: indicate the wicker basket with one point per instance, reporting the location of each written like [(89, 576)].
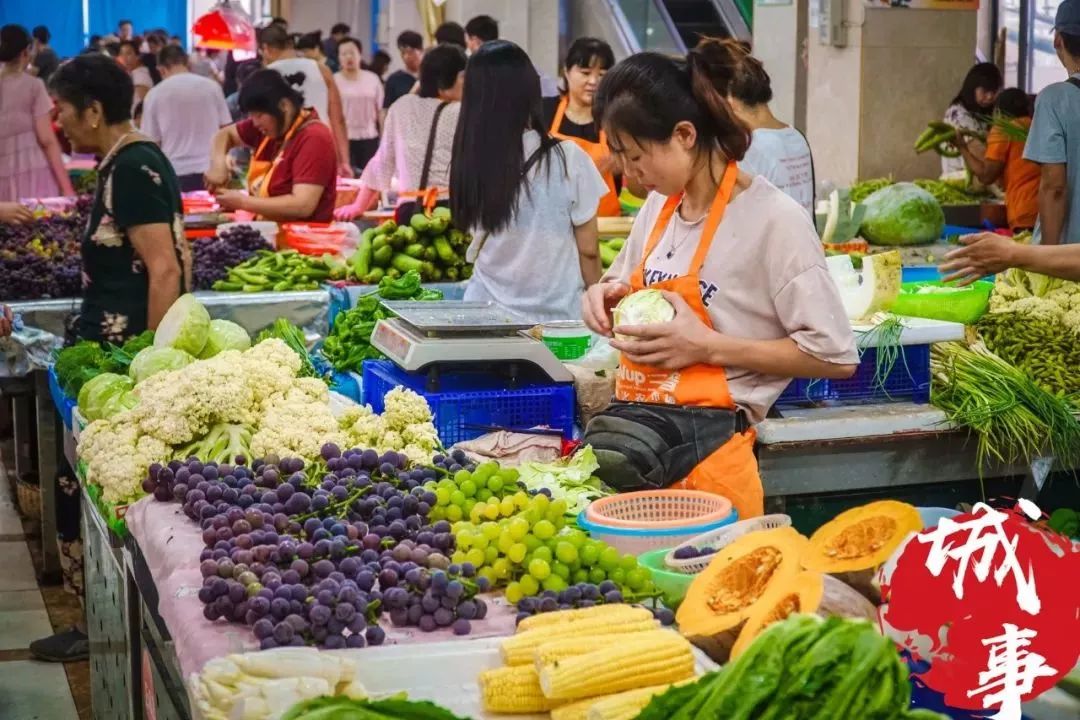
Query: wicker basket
[(29, 497)]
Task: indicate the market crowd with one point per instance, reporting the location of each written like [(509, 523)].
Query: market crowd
[(527, 164)]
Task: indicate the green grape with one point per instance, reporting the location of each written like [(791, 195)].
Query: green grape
[(561, 570), (501, 568), (436, 514), (590, 553), (617, 576), (597, 576), (514, 592), (510, 475), (554, 583), (573, 536), (529, 585), (458, 556), (518, 528), (581, 575), (491, 554), (442, 496), (475, 556), (531, 516), (457, 498), (521, 500), (517, 552), (539, 569), (495, 484), (628, 562), (448, 484), (532, 542), (480, 540), (544, 529), (484, 495), (507, 507), (491, 511), (491, 530), (544, 553), (464, 540), (541, 502), (636, 578), (566, 553), (468, 488), (470, 503), (506, 541), (454, 513), (461, 477), (552, 515), (487, 572), (609, 558)]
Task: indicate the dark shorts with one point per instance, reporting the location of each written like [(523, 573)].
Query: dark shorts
[(361, 152), (191, 183)]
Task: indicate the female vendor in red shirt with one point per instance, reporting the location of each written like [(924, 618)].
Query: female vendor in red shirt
[(293, 172)]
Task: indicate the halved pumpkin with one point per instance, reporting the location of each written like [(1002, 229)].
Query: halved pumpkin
[(854, 544), (807, 593), (723, 595)]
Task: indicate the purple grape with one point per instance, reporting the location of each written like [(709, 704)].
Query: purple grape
[(355, 641), (462, 626)]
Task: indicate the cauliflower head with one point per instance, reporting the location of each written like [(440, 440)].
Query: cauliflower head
[(117, 457), (1037, 307), (402, 407), (294, 423)]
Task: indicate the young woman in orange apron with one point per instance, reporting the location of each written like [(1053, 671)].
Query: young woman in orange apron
[(587, 60), (678, 418), (278, 123)]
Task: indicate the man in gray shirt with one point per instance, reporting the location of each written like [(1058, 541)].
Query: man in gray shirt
[(1054, 138)]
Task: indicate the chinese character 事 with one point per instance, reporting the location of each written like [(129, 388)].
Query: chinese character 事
[(949, 594)]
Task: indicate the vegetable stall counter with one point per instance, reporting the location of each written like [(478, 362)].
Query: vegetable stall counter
[(869, 448)]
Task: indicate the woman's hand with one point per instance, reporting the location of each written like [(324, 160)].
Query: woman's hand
[(347, 212), (598, 302), (15, 213), (985, 254), (669, 346), (217, 176), (232, 200), (5, 321), (345, 170)]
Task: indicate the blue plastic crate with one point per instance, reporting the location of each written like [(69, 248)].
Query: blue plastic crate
[(474, 398), (803, 392), (909, 380), (64, 404)]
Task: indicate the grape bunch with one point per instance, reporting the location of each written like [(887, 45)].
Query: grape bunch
[(212, 257), (304, 552), (43, 258), (433, 599), (581, 595), (689, 552)]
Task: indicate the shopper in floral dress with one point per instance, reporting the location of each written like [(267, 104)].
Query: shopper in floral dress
[(136, 260)]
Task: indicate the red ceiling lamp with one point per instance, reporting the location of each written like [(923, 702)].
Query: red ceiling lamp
[(226, 27)]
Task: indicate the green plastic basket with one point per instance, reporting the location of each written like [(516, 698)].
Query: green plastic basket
[(962, 305), (672, 583)]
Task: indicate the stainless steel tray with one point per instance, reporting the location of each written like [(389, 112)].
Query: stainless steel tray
[(455, 317)]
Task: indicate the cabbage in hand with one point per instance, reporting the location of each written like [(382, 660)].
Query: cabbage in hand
[(644, 307)]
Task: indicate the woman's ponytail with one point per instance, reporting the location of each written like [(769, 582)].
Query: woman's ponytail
[(709, 69)]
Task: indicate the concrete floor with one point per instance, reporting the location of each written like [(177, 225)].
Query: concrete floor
[(29, 689)]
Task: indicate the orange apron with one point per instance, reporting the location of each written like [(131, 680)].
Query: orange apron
[(732, 469), (598, 151), (260, 172)]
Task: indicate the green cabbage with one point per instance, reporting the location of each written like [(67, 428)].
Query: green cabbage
[(902, 214), (119, 403), (185, 326), (645, 307), (96, 394), (152, 360), (224, 335)]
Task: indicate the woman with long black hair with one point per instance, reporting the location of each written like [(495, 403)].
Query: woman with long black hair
[(529, 199), (971, 109), (741, 265)]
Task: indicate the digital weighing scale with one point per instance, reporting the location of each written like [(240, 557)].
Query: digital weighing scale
[(427, 336)]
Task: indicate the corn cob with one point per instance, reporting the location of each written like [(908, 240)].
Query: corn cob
[(513, 690), (574, 711), (556, 650), (650, 659), (572, 616), (521, 648), (625, 705)]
